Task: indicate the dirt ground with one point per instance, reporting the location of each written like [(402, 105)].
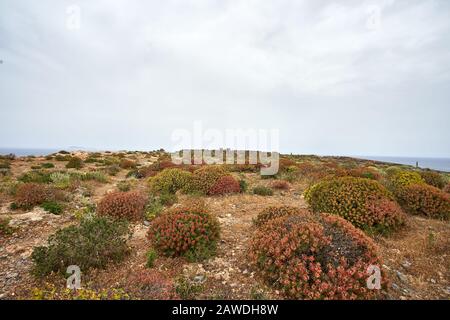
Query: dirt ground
[(416, 258)]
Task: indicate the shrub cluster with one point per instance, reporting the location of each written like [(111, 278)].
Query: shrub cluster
[(433, 179), (422, 199), (75, 163), (128, 205), (151, 285), (53, 207), (29, 195), (403, 179), (357, 200), (35, 176), (204, 179), (127, 164), (273, 212), (92, 244), (262, 191), (224, 185), (319, 256), (280, 185), (188, 232), (170, 180)]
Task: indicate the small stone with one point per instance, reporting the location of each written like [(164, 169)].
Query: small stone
[(199, 278), (406, 264), (146, 223), (432, 280), (402, 277), (11, 275)]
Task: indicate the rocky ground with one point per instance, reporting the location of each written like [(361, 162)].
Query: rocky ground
[(416, 258)]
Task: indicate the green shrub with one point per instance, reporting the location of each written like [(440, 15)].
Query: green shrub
[(169, 180), (309, 256), (151, 257), (61, 180), (190, 233), (5, 164), (153, 209), (5, 228), (94, 243), (35, 176), (262, 191), (124, 186), (47, 165), (53, 207), (363, 202), (243, 185), (433, 179), (75, 163), (167, 199)]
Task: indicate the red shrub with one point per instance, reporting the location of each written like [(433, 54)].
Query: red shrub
[(225, 184), (315, 257), (190, 234), (151, 285), (280, 184), (425, 200), (129, 205), (386, 210), (273, 212), (29, 195)]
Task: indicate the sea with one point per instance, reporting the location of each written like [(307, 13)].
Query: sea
[(441, 164)]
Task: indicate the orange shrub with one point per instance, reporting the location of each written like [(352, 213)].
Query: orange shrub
[(127, 164), (190, 234), (29, 195), (225, 185), (280, 185), (129, 205), (354, 199), (311, 256), (422, 199)]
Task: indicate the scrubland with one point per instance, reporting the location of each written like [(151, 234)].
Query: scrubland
[(140, 227)]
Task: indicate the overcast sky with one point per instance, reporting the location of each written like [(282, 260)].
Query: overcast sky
[(335, 77)]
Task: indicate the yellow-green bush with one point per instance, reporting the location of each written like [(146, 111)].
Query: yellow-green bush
[(403, 179), (204, 179), (363, 202), (170, 180)]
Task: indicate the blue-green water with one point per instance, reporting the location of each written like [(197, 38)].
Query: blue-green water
[(441, 164)]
